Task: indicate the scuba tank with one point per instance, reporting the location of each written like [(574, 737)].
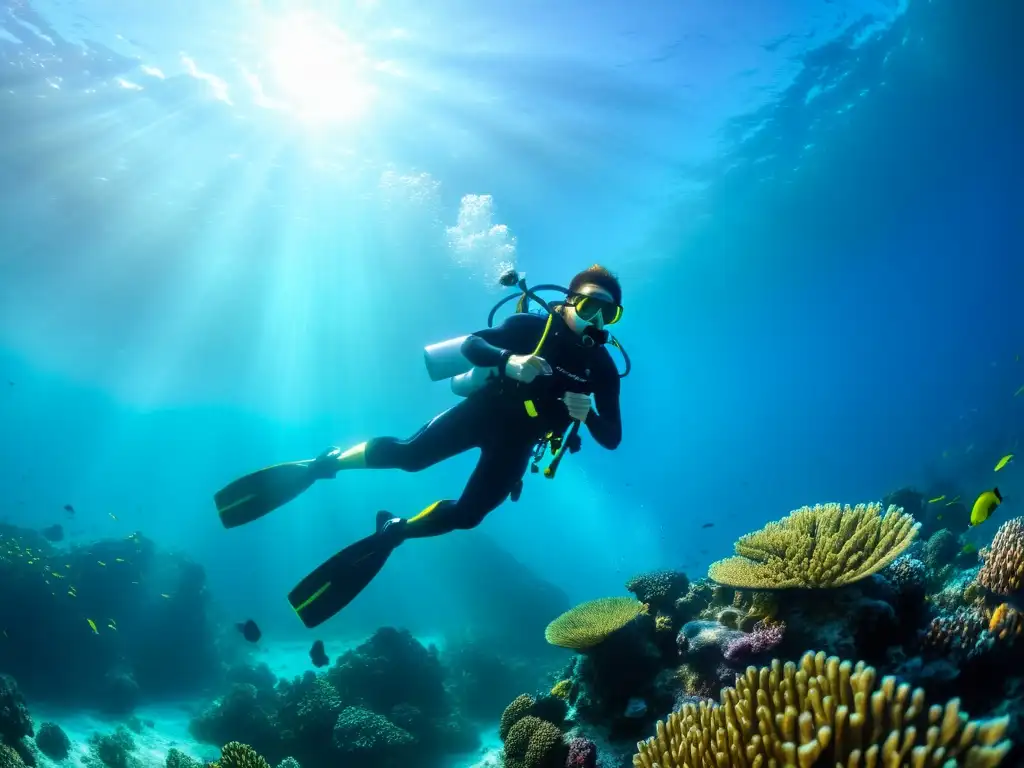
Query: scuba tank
[(444, 360)]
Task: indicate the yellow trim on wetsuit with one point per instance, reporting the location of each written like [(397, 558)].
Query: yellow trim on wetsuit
[(531, 408), (424, 513)]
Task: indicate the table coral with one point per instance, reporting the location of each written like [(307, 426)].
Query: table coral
[(589, 624), (824, 546)]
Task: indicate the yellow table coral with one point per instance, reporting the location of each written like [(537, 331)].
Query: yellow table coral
[(822, 712), (588, 624), (826, 545)]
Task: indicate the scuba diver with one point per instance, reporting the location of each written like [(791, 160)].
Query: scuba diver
[(525, 383)]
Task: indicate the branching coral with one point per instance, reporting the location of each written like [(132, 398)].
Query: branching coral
[(178, 759), (907, 574), (961, 633), (237, 755), (360, 732), (821, 711), (9, 758), (658, 588), (1002, 569), (940, 549), (15, 722), (1006, 624), (582, 754), (590, 623), (764, 637), (562, 689), (827, 545)]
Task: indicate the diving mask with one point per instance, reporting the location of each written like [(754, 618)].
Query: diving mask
[(588, 308)]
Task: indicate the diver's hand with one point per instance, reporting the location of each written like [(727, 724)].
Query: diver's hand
[(526, 368), (578, 405)]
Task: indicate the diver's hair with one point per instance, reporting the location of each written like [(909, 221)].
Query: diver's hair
[(601, 276)]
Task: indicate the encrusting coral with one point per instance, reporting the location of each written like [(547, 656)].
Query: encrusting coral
[(1002, 570), (588, 624), (824, 546), (822, 711)]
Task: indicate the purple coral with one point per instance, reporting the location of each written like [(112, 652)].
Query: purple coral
[(582, 754), (763, 638)]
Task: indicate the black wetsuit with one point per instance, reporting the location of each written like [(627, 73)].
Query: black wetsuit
[(496, 419)]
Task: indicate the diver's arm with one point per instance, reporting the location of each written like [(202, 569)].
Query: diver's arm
[(605, 421), (492, 347)]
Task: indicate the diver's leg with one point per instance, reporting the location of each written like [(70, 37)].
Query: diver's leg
[(447, 434), (500, 468)]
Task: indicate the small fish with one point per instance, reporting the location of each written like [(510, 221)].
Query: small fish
[(118, 559), (57, 575), (112, 626), (112, 515), (69, 509), (92, 625), (937, 499), (250, 631), (1019, 392), (162, 594), (1003, 462), (102, 563), (969, 549), (985, 505), (53, 532), (938, 517), (318, 655), (953, 501), (708, 525)]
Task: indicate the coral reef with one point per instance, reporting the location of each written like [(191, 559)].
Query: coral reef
[(822, 546), (862, 589), (376, 703), (150, 636), (15, 722), (1002, 569), (658, 589), (821, 709)]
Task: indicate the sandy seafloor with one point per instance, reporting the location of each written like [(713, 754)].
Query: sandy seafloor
[(170, 720)]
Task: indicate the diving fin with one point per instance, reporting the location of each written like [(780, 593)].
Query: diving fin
[(338, 581), (251, 497)]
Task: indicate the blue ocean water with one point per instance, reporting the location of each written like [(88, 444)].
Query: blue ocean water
[(227, 230)]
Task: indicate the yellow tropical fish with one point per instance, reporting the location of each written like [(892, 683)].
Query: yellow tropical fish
[(1004, 461), (953, 501), (985, 505), (937, 499), (92, 625)]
